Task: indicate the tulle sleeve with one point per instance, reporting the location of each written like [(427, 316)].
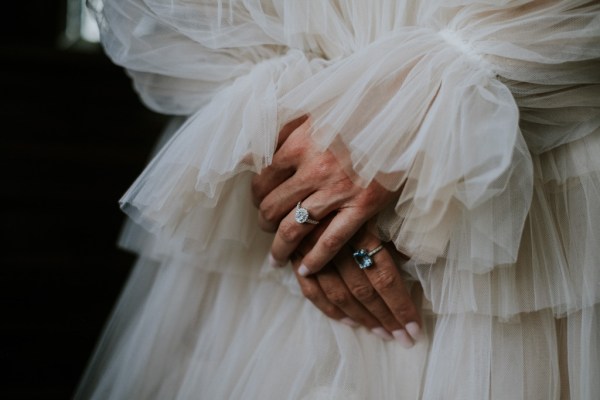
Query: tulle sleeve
[(485, 115), (464, 115), (473, 109), (414, 111), (220, 70), (176, 68)]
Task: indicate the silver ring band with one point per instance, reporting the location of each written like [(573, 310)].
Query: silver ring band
[(364, 257), (302, 216)]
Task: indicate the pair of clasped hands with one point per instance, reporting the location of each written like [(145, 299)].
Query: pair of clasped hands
[(321, 254)]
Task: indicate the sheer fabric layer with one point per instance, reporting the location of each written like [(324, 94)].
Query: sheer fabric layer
[(492, 133), (380, 83), (177, 334)]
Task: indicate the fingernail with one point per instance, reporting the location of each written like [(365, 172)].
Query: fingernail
[(303, 270), (414, 330), (273, 262), (382, 333), (401, 336), (349, 322)]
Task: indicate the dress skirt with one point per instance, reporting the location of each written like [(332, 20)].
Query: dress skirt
[(486, 114)]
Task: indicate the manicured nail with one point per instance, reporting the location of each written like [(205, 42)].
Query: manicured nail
[(401, 336), (303, 270), (273, 262), (349, 322), (414, 331), (382, 333)]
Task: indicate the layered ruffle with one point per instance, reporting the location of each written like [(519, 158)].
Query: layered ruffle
[(486, 114), (447, 102), (177, 333)]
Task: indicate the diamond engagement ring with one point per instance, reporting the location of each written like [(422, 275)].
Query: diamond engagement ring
[(364, 257), (302, 215)]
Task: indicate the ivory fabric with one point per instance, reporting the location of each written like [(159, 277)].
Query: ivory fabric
[(487, 113)]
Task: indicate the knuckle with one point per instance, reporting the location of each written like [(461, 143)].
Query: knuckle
[(295, 151), (338, 297), (347, 186), (322, 169), (330, 310), (343, 188), (310, 292), (268, 213), (328, 159), (364, 293), (404, 309), (371, 195), (366, 200), (385, 279), (370, 198), (288, 232), (333, 242), (265, 226)]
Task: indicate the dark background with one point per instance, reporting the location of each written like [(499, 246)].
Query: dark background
[(74, 137)]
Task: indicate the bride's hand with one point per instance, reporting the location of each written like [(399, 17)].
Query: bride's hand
[(300, 172), (376, 297)]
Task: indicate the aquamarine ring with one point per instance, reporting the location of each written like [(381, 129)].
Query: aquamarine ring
[(364, 257)]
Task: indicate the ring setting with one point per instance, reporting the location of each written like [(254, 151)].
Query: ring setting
[(302, 216), (364, 257)]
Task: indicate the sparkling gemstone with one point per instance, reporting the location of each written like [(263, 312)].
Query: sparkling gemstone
[(301, 215), (362, 258)]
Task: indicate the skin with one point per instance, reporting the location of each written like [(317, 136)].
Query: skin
[(321, 254)]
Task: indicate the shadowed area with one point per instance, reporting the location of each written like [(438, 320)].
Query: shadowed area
[(75, 137)]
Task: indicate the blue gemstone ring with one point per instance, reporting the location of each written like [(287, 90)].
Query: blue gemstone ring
[(364, 257)]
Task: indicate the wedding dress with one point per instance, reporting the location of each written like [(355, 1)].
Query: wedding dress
[(486, 112)]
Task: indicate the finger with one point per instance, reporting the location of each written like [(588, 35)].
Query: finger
[(292, 148), (281, 199), (264, 183), (284, 160), (341, 229), (388, 282), (290, 232), (309, 241), (305, 244), (312, 176), (290, 127), (338, 291), (365, 294), (339, 294), (312, 291)]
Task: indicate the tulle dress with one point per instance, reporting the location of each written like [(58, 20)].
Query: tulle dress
[(486, 112)]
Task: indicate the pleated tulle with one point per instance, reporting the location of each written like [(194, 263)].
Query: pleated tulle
[(487, 114), (179, 332), (201, 335)]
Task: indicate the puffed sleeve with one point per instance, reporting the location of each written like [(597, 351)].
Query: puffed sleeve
[(482, 113), (467, 113), (214, 65)]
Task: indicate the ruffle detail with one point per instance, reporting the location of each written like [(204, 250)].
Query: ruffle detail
[(208, 159), (558, 262), (489, 131), (399, 123), (181, 333)]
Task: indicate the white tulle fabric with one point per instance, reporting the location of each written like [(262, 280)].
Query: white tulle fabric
[(487, 114)]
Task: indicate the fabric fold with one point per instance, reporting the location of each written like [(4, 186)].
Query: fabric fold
[(484, 115), (449, 157), (444, 102)]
